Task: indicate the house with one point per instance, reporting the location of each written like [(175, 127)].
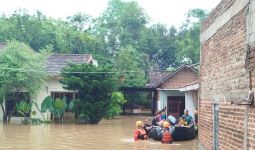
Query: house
[(176, 90), (227, 77), (52, 87)]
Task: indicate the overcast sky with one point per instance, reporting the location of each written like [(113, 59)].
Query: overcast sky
[(170, 12)]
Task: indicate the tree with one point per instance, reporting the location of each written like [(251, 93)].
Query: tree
[(56, 107), (120, 25), (114, 108), (21, 69), (94, 86), (127, 64), (160, 44), (188, 37)]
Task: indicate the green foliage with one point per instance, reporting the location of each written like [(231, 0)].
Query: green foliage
[(127, 60), (189, 35), (57, 107), (114, 108), (24, 108), (21, 68), (94, 89), (47, 105), (122, 24)]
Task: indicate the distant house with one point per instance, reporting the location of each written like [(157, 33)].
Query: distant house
[(176, 90), (52, 87)]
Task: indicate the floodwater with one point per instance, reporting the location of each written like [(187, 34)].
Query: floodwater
[(116, 134)]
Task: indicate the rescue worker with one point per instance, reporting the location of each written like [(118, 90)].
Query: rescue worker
[(166, 135), (140, 133)]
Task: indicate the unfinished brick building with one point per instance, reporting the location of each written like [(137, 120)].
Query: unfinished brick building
[(227, 75)]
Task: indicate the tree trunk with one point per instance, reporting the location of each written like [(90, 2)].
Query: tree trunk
[(4, 114), (9, 116)]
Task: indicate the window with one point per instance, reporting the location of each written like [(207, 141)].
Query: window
[(68, 95)]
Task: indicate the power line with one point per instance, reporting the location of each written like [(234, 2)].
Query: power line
[(109, 72)]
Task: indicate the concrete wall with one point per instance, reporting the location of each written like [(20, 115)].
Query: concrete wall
[(163, 97), (52, 85), (226, 37), (191, 100)]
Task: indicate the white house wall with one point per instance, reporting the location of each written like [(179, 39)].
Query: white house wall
[(191, 101), (52, 85), (163, 97)]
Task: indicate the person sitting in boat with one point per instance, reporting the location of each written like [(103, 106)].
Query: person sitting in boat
[(156, 119), (182, 122), (146, 125), (163, 114), (196, 116), (188, 118), (166, 135), (140, 133)]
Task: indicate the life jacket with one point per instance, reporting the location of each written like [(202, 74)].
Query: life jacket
[(142, 134), (166, 137)]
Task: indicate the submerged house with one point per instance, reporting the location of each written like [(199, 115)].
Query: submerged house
[(227, 77), (176, 90), (52, 87)]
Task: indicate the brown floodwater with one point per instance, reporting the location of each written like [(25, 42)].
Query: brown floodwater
[(116, 134)]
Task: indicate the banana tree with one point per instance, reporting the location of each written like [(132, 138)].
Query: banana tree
[(24, 109), (56, 107)]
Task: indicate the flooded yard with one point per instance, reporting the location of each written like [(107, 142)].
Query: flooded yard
[(116, 134)]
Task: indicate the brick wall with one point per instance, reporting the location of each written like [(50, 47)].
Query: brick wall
[(223, 75), (219, 10), (224, 78), (180, 79)]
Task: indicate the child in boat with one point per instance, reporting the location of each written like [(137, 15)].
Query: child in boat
[(140, 133), (166, 135), (182, 122)]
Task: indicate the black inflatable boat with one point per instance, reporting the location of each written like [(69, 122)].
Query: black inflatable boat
[(183, 133), (179, 134)]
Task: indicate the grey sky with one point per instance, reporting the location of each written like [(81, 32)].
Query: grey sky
[(170, 12)]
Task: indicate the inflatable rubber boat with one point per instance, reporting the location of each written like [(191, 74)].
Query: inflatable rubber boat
[(178, 134)]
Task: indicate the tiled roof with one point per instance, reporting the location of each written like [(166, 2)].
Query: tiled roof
[(56, 62), (156, 76)]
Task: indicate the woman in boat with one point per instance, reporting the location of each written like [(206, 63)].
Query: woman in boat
[(140, 133)]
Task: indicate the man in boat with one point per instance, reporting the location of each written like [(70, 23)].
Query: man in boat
[(156, 119), (140, 133), (188, 118), (146, 125)]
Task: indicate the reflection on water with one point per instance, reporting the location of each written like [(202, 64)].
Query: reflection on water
[(108, 135)]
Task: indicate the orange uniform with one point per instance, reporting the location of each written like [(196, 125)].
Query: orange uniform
[(140, 134)]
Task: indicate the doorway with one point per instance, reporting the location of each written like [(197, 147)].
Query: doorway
[(175, 105)]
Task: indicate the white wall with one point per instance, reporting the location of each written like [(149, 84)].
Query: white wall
[(52, 85), (191, 100), (163, 97)]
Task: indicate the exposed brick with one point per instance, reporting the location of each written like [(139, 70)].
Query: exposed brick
[(225, 78)]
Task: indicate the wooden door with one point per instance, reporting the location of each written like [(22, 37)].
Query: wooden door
[(174, 107)]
